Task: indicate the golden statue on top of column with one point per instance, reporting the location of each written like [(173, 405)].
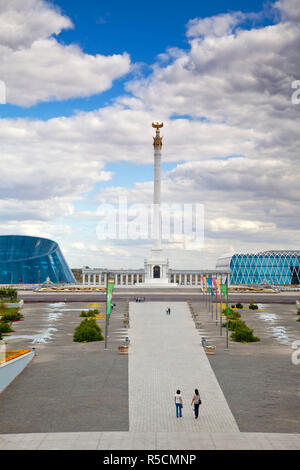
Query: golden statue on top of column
[(157, 140)]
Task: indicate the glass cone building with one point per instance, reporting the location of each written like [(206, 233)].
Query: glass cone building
[(32, 260), (266, 267)]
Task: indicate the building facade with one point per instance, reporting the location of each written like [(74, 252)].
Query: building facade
[(136, 277), (275, 267), (32, 260)]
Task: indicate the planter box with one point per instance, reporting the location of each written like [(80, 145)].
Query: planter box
[(11, 369), (210, 350), (123, 351), (18, 304)]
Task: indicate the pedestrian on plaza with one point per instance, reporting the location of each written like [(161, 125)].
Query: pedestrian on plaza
[(197, 402), (179, 404), (169, 311)]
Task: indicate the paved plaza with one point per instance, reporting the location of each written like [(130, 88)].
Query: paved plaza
[(68, 387), (166, 355)]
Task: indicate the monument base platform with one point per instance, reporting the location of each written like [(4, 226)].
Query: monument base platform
[(153, 285)]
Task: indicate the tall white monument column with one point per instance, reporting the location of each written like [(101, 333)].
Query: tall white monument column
[(156, 266)]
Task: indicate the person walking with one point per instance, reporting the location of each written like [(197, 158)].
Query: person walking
[(197, 402), (179, 404), (169, 311)]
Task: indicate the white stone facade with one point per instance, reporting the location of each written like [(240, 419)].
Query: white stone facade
[(137, 277)]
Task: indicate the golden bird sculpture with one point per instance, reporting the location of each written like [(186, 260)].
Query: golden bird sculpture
[(157, 126), (157, 140)]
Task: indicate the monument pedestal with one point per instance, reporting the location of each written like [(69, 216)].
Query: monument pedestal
[(156, 271)]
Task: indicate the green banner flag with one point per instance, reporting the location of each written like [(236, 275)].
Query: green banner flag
[(109, 292), (224, 290)]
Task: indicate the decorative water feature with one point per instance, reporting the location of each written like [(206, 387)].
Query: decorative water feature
[(280, 334), (278, 331), (42, 337), (268, 317)]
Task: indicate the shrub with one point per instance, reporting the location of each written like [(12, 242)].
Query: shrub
[(5, 327), (2, 293), (11, 316), (243, 334), (88, 331), (239, 305), (252, 306), (231, 311), (89, 314), (9, 293), (233, 324), (298, 311), (233, 315)]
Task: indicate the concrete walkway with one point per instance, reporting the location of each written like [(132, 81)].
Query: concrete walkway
[(150, 441), (166, 355)]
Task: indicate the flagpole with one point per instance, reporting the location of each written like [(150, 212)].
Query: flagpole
[(211, 298), (205, 290), (216, 299), (221, 309), (227, 282), (106, 316)]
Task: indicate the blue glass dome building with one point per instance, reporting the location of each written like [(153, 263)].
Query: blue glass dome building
[(32, 260), (275, 267)]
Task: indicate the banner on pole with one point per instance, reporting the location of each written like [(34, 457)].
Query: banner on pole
[(109, 292), (225, 292), (209, 281)]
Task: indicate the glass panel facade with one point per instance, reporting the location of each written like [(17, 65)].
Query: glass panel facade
[(268, 267), (31, 260)]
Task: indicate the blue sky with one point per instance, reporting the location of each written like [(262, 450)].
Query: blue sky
[(84, 81)]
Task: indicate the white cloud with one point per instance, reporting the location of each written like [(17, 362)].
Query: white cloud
[(219, 25), (36, 67), (233, 93), (24, 21), (78, 245), (290, 9)]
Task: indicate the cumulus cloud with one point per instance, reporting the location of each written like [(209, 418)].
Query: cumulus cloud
[(36, 67), (24, 21), (219, 25), (229, 124), (290, 9)]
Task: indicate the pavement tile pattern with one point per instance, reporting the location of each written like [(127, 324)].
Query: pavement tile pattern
[(166, 355)]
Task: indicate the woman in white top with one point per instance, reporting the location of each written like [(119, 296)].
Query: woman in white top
[(179, 404), (197, 402)]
